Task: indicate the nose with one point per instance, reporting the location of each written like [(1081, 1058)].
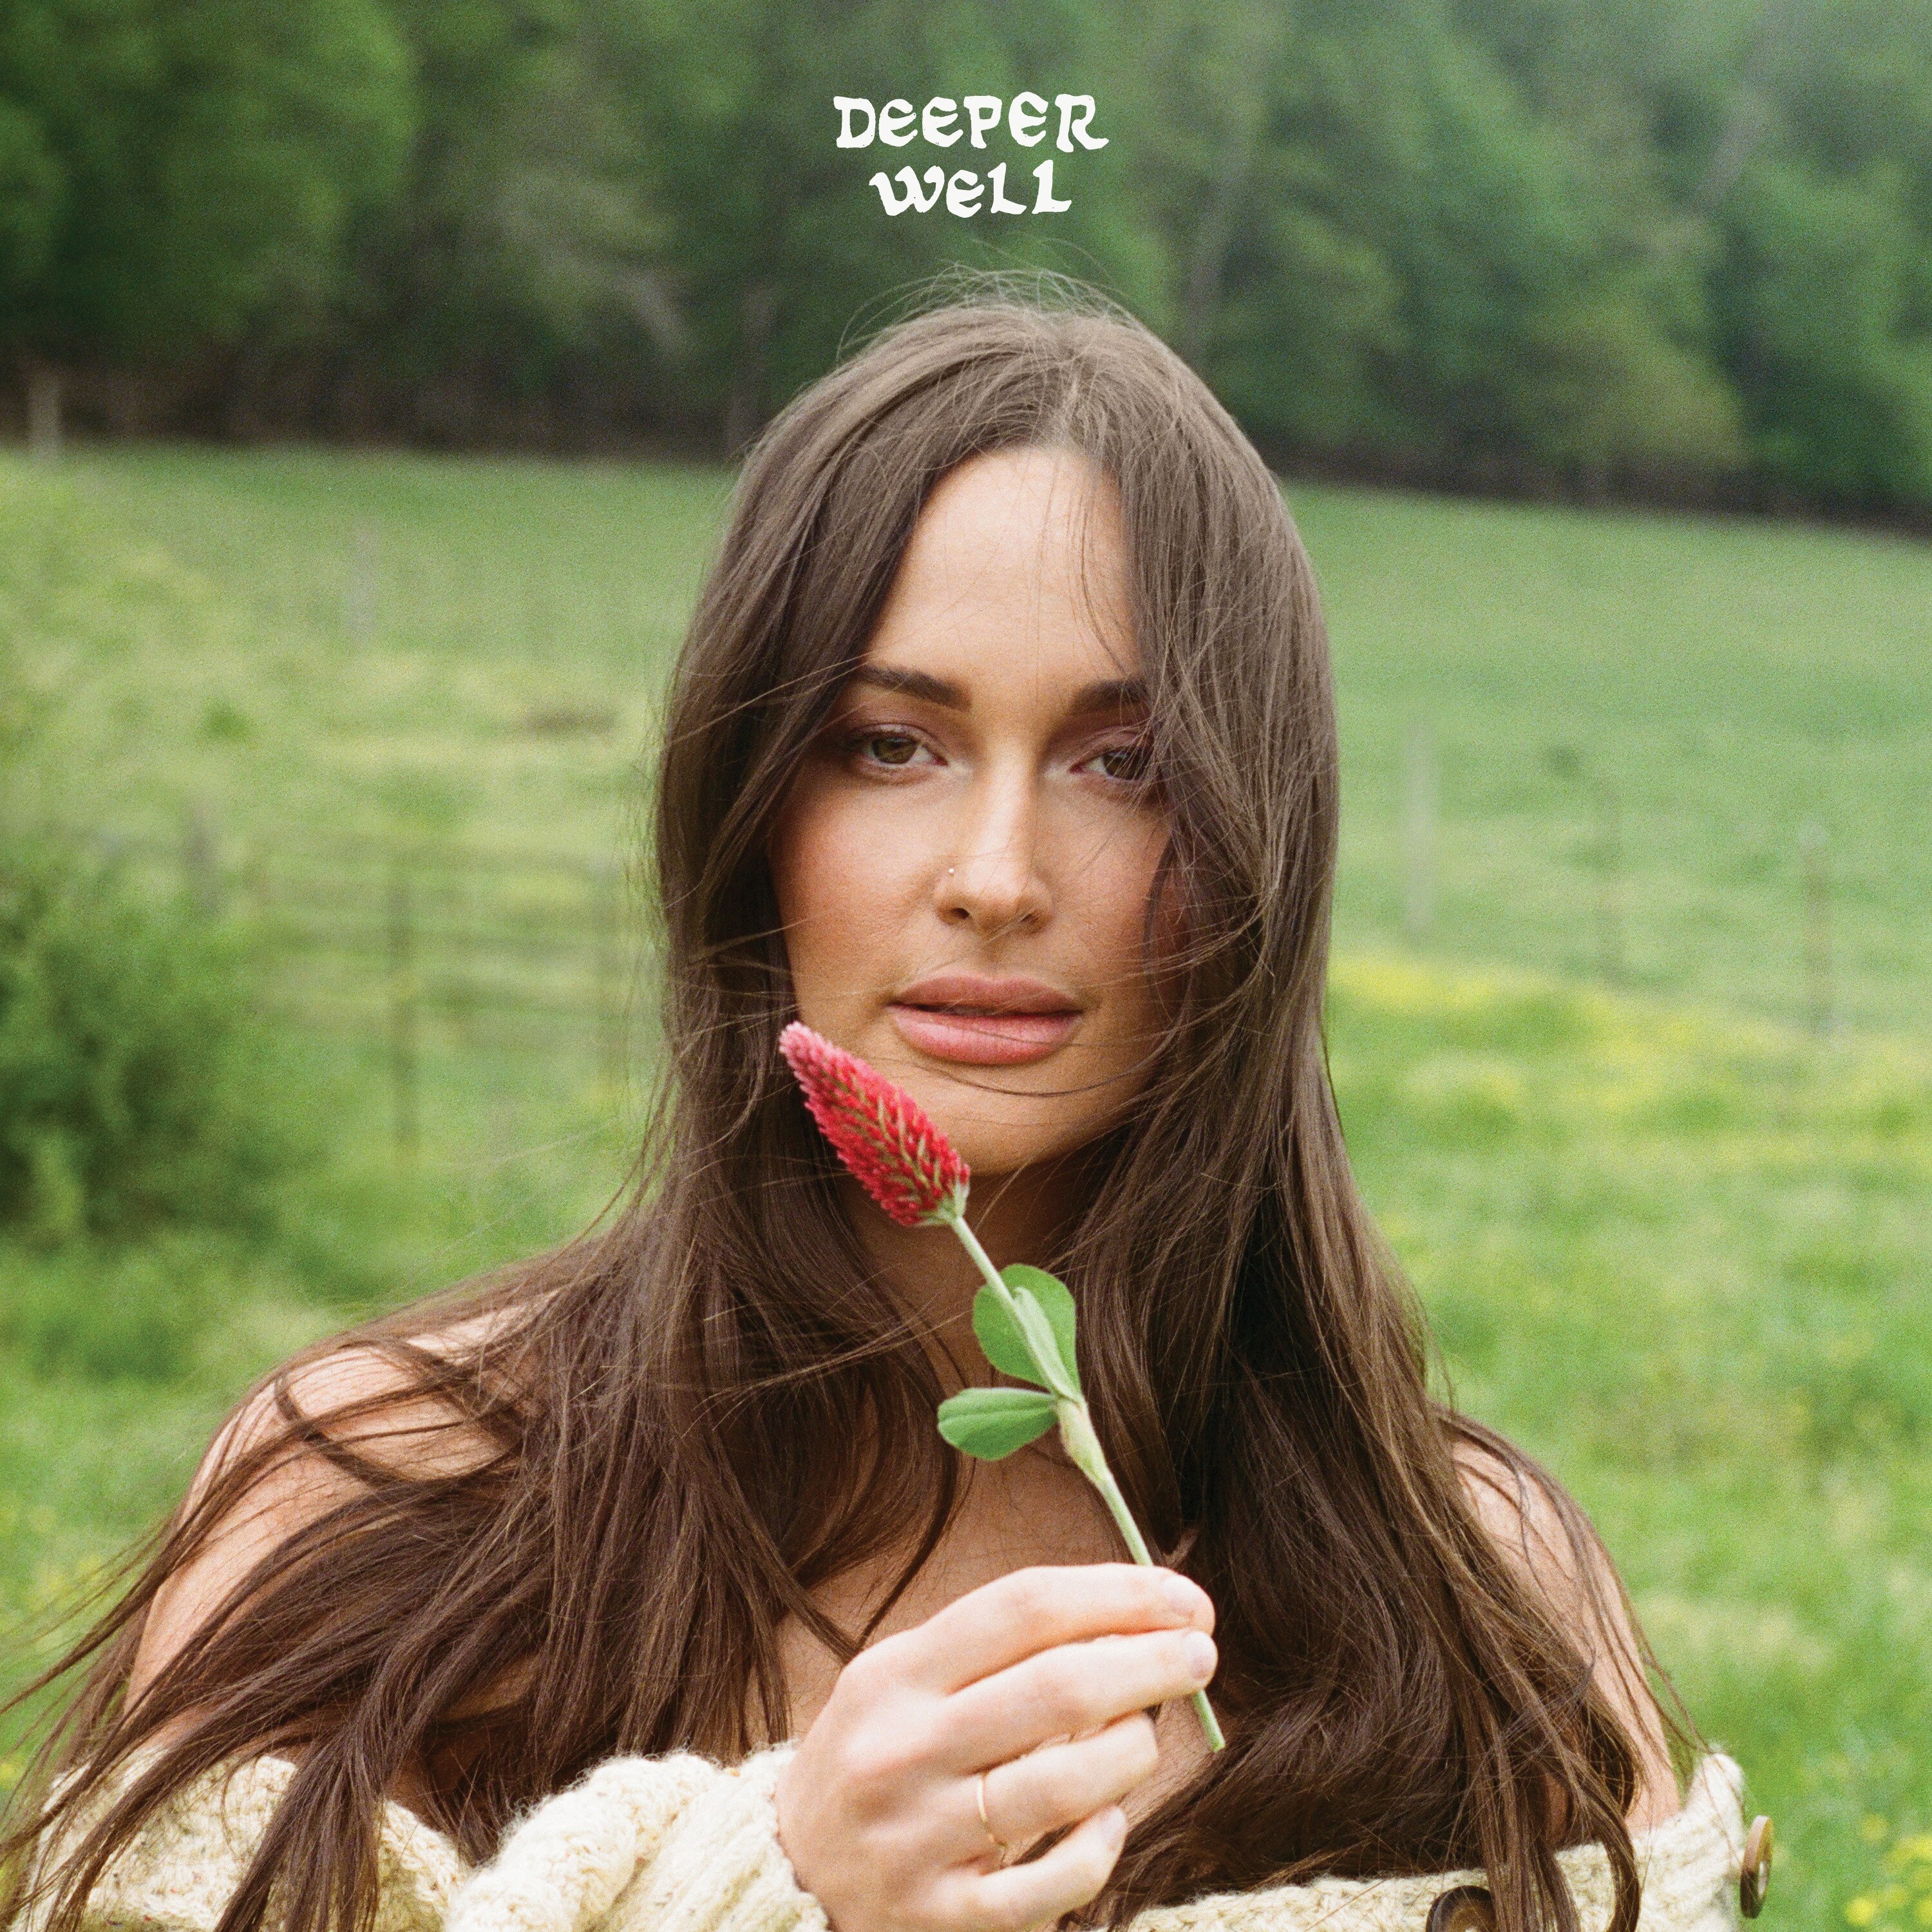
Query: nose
[(992, 883)]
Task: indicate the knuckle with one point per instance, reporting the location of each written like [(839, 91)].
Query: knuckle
[(1139, 1746), (874, 1665), (1175, 1647), (953, 1908), (1090, 1869), (904, 1898), (960, 1905), (1006, 1912), (1029, 1593), (879, 1759), (1060, 1692)]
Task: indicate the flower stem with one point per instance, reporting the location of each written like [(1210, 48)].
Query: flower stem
[(982, 1261), (1084, 1451)]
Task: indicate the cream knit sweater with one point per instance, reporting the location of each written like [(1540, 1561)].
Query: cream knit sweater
[(679, 1843)]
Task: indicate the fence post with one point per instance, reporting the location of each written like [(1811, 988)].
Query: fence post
[(358, 600), (403, 1057), (611, 1056), (252, 880), (1817, 860), (1419, 828), (201, 865), (1609, 881), (44, 412)]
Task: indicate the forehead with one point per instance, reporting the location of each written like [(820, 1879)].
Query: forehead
[(1017, 568)]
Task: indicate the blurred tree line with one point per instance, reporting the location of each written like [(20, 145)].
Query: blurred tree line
[(1673, 247)]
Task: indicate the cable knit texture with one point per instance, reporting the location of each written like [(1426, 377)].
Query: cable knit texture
[(680, 1843), (1688, 1865)]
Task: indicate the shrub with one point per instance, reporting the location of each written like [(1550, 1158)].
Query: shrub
[(138, 1083)]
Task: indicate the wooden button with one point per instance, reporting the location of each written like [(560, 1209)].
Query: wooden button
[(1754, 1872), (1469, 1908)]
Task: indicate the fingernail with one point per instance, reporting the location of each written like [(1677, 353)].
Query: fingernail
[(1117, 1826), (1184, 1596), (1199, 1653)]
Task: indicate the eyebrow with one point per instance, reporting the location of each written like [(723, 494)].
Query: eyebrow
[(1113, 694)]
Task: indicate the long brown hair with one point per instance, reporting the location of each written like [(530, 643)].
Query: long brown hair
[(696, 1415)]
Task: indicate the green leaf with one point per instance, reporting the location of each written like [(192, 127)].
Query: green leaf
[(990, 1422), (1000, 1340), (1043, 1344), (1056, 1302)]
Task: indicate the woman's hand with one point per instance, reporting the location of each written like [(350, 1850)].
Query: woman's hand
[(878, 1809)]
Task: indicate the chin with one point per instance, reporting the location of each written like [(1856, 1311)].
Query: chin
[(990, 1140), (1003, 1138)]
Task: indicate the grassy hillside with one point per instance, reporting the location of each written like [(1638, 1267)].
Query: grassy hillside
[(473, 648), (1683, 1259), (1673, 1242)]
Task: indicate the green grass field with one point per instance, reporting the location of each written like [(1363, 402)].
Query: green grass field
[(1672, 1241)]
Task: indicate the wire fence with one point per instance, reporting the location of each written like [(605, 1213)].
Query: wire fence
[(421, 946), (1602, 891), (421, 949)]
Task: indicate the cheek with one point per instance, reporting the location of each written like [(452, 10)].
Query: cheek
[(839, 898), (1112, 906), (1127, 882)]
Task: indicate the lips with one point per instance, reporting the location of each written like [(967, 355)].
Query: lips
[(984, 1021)]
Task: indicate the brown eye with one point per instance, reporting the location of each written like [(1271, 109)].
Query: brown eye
[(1129, 764), (889, 748)]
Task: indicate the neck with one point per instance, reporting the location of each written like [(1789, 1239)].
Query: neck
[(1017, 1217)]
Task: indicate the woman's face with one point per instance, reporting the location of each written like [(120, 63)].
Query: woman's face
[(963, 866)]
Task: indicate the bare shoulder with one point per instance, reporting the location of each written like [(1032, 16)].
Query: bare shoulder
[(1523, 1520), (1557, 1549), (360, 1399)]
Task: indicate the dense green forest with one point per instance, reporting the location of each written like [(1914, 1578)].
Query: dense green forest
[(1676, 247)]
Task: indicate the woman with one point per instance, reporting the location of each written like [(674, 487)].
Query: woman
[(1002, 752)]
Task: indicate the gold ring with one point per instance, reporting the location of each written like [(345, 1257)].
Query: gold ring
[(998, 1844)]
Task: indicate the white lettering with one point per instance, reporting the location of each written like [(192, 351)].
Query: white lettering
[(942, 122), (1043, 201), (983, 116), (935, 180), (847, 106), (1021, 119), (1066, 103)]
